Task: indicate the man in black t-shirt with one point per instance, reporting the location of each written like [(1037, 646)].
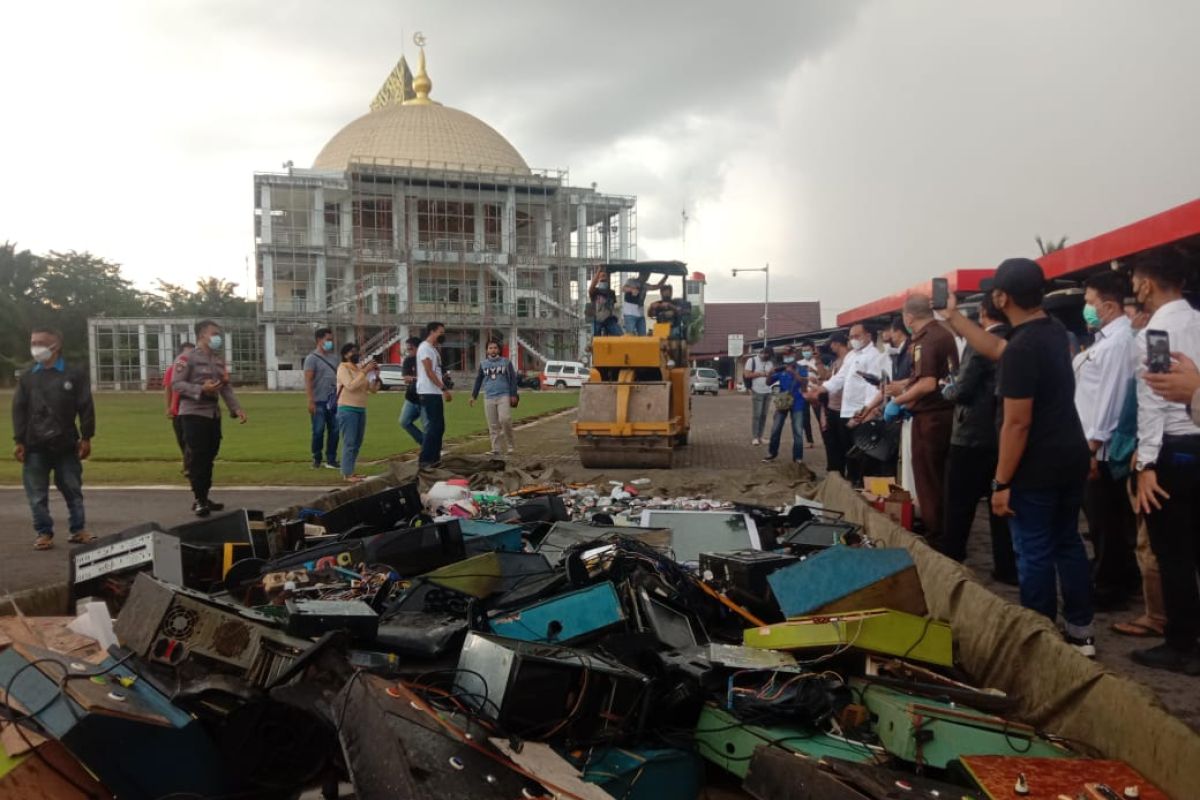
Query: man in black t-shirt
[(1043, 460), (412, 402)]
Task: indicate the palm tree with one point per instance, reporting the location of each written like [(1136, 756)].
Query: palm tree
[(1050, 246)]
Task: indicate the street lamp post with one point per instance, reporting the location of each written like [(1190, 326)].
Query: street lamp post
[(766, 271)]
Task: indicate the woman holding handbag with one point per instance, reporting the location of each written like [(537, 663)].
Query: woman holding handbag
[(498, 379), (353, 385), (788, 383)]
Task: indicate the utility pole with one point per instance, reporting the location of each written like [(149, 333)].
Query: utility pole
[(683, 232), (766, 271)]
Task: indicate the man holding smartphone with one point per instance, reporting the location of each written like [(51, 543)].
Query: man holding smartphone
[(1168, 464), (1043, 460)]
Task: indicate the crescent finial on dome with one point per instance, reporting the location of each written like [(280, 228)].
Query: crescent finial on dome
[(421, 84)]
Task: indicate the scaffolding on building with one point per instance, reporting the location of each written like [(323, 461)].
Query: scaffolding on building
[(386, 246)]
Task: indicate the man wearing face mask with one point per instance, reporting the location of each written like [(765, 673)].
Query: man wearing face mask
[(1168, 465), (202, 380), (758, 368), (320, 384), (1043, 460), (49, 398), (1103, 378), (857, 392), (809, 362)]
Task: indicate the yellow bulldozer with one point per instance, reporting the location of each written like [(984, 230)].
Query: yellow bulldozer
[(636, 408)]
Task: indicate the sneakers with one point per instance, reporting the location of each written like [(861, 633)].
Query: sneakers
[(1086, 645), (201, 509), (756, 441), (316, 464), (332, 465), (1164, 656), (769, 458), (214, 506)]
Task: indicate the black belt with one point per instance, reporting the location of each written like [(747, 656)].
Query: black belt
[(1181, 439)]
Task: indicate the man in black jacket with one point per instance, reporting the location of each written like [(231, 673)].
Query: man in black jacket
[(49, 397), (973, 451)]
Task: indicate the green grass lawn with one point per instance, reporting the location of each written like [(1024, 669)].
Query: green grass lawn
[(134, 442)]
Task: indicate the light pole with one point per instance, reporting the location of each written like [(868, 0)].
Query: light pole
[(766, 271)]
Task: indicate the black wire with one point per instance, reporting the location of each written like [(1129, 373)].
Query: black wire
[(921, 638), (60, 695)]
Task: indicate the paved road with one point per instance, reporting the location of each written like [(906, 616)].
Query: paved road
[(108, 511)]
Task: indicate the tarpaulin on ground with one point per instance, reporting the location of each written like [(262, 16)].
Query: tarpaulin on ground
[(1014, 649)]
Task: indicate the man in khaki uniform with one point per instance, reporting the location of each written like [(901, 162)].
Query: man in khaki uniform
[(200, 378)]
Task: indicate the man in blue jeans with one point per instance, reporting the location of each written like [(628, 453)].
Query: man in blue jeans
[(792, 379), (49, 397), (320, 385), (431, 387), (412, 410), (1043, 461)]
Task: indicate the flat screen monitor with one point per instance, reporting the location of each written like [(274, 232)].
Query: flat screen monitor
[(696, 532)]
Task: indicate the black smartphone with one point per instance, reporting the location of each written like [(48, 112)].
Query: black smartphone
[(940, 294), (874, 380), (1158, 351)]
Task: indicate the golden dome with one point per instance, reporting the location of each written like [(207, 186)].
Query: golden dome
[(403, 128)]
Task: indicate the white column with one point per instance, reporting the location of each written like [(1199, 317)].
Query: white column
[(143, 357), (316, 291), (316, 221), (546, 233), (93, 359), (346, 227), (581, 231), (514, 348), (398, 221), (623, 234), (414, 228), (264, 205), (479, 225), (268, 282), (508, 223), (401, 287), (166, 348), (271, 355)]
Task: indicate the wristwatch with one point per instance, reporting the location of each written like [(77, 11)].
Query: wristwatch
[(997, 486), (1142, 466)]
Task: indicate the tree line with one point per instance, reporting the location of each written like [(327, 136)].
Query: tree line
[(62, 289)]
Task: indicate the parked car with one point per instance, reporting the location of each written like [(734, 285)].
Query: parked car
[(390, 377), (705, 380), (564, 374)]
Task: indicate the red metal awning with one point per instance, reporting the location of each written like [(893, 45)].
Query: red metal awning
[(1172, 225), (960, 280)]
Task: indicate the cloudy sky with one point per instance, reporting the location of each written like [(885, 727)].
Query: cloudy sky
[(858, 147)]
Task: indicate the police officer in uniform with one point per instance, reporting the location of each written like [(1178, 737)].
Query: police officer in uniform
[(201, 378)]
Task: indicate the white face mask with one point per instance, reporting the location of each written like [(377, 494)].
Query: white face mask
[(857, 344), (41, 354)]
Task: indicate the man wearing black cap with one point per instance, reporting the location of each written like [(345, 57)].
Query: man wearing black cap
[(1043, 461)]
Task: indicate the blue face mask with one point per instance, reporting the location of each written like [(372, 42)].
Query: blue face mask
[(789, 359), (1091, 316), (327, 345), (214, 341)]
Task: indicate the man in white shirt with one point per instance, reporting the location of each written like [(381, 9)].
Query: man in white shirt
[(857, 392), (1102, 379), (758, 369), (431, 388), (1168, 465)]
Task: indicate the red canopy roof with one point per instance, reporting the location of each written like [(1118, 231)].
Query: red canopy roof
[(1172, 225), (961, 280)]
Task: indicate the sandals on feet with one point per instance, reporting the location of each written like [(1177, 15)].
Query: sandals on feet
[(43, 542), (1136, 629), (81, 537)]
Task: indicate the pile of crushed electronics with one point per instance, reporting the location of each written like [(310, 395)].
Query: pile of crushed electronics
[(561, 641)]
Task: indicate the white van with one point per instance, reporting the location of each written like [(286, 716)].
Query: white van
[(564, 374)]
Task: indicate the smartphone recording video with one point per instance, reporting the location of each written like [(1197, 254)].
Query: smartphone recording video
[(1158, 351), (940, 294)]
